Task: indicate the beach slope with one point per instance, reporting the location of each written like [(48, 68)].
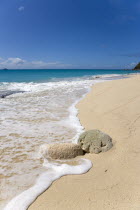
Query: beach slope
[(113, 183)]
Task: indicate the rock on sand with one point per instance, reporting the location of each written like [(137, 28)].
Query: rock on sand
[(62, 151), (95, 141)]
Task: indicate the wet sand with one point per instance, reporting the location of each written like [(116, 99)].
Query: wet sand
[(113, 183)]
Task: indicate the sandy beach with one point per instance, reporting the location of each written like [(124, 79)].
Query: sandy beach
[(113, 182)]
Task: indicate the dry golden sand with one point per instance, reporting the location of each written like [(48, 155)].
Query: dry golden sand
[(114, 180)]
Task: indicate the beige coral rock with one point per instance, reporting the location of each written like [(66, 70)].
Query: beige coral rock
[(62, 150), (95, 141)]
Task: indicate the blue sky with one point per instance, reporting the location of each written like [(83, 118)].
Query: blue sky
[(69, 33)]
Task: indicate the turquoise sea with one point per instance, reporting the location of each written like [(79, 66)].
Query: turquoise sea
[(39, 75)]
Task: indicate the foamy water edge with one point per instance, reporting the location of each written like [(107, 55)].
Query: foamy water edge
[(24, 200), (55, 170)]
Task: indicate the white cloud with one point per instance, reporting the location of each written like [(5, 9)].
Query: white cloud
[(38, 63), (48, 64), (21, 8), (131, 65), (18, 63), (11, 62), (15, 61)]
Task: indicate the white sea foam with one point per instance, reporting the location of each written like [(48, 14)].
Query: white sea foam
[(55, 171)]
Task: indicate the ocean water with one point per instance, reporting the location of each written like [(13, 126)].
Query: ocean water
[(31, 75), (38, 107)]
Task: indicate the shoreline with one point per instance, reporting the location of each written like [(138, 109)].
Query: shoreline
[(113, 181), (73, 120)]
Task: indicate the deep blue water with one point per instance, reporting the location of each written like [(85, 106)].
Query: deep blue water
[(43, 75)]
